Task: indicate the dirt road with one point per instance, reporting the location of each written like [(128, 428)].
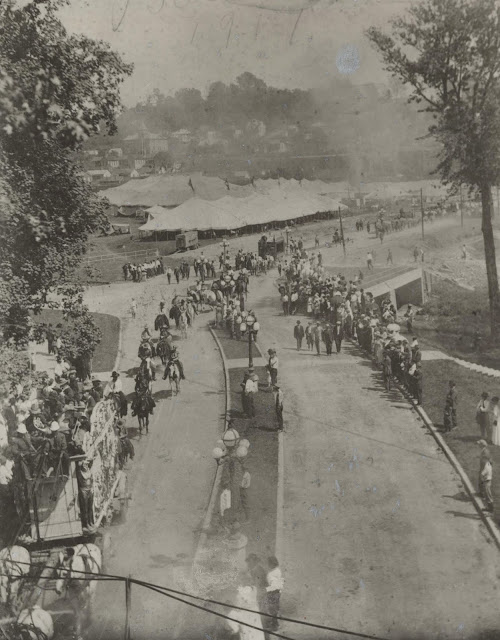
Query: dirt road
[(378, 536), (171, 476)]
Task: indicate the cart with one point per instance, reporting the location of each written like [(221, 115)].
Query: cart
[(54, 514)]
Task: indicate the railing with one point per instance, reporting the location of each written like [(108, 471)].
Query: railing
[(126, 256)]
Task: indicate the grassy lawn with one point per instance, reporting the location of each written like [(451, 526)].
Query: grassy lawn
[(262, 462), (451, 318), (462, 440), (105, 355), (234, 349)]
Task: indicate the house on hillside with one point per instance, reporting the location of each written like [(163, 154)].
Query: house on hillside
[(117, 151), (145, 144), (99, 174), (86, 177), (182, 135)]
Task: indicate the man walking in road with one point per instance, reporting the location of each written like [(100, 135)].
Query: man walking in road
[(309, 336), (298, 334), (369, 260), (327, 336), (316, 332), (389, 257), (274, 588), (338, 335), (450, 408)]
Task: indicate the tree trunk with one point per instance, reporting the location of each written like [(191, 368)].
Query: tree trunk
[(490, 258)]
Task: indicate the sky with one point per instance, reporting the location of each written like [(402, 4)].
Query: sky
[(192, 43)]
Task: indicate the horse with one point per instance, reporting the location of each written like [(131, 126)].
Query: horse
[(34, 624), (120, 403), (74, 569), (163, 350), (174, 376), (15, 563), (141, 407)]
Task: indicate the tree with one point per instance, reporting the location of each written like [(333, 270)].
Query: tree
[(55, 91), (163, 159), (448, 53)]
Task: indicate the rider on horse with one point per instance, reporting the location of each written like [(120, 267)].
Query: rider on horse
[(174, 362)]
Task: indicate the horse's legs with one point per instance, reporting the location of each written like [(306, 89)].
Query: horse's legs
[(140, 424), (147, 424)]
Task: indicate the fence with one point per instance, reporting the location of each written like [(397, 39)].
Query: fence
[(126, 256)]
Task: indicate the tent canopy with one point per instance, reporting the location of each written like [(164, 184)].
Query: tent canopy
[(236, 213)]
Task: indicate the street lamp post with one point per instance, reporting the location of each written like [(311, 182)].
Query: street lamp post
[(224, 244), (287, 231), (251, 325)]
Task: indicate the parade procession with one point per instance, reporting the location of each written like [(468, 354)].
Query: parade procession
[(249, 320)]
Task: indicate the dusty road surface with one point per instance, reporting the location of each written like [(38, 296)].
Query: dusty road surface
[(171, 477), (378, 536)]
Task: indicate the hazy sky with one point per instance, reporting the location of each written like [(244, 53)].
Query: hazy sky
[(191, 43)]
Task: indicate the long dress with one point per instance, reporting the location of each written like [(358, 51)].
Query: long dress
[(495, 426)]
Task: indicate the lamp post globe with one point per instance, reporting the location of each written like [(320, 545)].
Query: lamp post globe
[(231, 438)]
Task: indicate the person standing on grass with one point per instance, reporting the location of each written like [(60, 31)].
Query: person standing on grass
[(389, 257), (450, 407), (494, 421), (298, 334), (485, 478), (415, 254), (272, 366), (417, 383), (259, 580), (274, 588), (278, 401), (483, 415), (316, 241)]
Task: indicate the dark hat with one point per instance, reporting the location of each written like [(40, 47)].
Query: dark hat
[(115, 374)]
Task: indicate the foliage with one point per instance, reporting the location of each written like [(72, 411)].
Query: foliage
[(55, 91), (15, 368), (448, 53)]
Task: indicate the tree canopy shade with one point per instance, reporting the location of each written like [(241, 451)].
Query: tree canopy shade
[(448, 53), (55, 91)]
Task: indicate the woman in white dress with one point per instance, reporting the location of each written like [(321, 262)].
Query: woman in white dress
[(494, 421)]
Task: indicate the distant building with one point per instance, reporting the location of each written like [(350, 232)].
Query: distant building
[(145, 143), (85, 175), (139, 163), (113, 164), (116, 152), (182, 135), (99, 174), (91, 152)]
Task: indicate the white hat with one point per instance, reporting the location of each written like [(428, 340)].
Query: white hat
[(54, 426), (21, 428)]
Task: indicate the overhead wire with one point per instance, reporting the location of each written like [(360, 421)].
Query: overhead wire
[(168, 592)]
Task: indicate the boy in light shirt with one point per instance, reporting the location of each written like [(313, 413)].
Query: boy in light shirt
[(273, 591)]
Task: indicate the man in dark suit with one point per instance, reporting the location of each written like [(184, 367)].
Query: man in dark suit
[(298, 334)]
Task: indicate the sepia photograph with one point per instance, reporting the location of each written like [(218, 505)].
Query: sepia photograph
[(249, 320)]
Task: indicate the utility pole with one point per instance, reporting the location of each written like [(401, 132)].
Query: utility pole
[(461, 208), (422, 209), (342, 231)]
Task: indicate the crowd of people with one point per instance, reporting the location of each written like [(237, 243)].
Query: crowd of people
[(41, 434), (144, 270)]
